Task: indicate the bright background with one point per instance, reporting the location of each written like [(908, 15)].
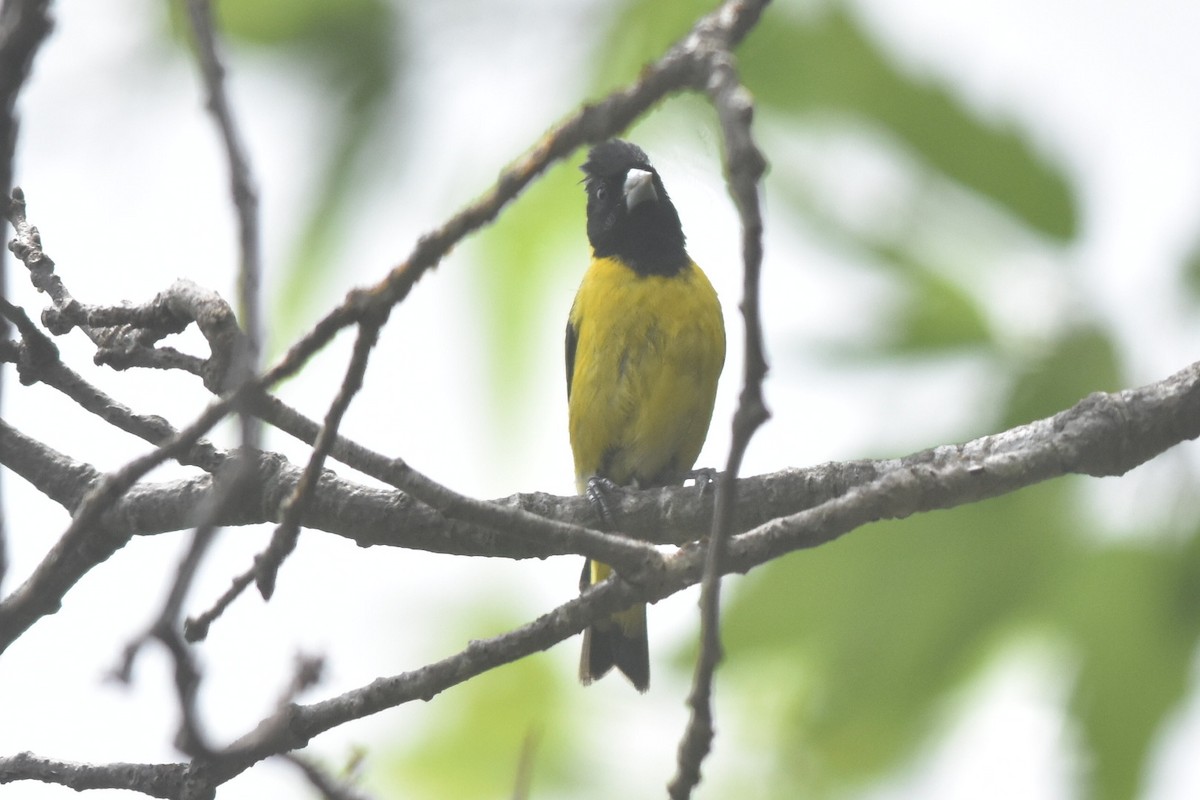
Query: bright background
[(976, 214)]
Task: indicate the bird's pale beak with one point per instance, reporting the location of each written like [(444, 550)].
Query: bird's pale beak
[(639, 187)]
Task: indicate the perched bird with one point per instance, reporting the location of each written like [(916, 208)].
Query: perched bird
[(645, 347)]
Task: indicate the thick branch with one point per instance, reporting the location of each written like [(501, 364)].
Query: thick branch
[(1104, 434), (154, 780)]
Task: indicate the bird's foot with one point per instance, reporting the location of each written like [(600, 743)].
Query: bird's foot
[(597, 492)]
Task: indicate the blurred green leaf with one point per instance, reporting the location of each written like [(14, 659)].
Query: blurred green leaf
[(641, 31), (820, 60), (320, 25), (484, 729), (535, 237), (1191, 273), (314, 256), (1082, 361), (933, 313), (1133, 612), (354, 48), (882, 624), (823, 62)]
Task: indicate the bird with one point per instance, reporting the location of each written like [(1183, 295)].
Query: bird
[(645, 345)]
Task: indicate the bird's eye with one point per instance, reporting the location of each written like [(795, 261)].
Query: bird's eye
[(601, 191)]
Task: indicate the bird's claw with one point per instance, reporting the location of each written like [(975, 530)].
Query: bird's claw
[(597, 492)]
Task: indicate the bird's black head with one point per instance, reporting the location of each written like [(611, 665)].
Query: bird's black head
[(629, 215)]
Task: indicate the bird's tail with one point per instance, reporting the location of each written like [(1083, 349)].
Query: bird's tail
[(619, 641)]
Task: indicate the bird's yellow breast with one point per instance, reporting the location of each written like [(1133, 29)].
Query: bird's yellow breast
[(649, 350)]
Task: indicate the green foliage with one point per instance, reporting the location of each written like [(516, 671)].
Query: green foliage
[(823, 64), (818, 62), (1191, 273), (1132, 611), (933, 314), (329, 31), (519, 257), (883, 624), (483, 730), (1082, 361), (882, 628), (642, 30)]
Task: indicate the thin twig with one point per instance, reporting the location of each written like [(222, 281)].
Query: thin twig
[(87, 541), (27, 246), (744, 168), (243, 365), (128, 333), (125, 335), (326, 785), (286, 534), (36, 349), (195, 628), (241, 180)]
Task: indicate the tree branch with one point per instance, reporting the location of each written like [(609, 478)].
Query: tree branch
[(153, 780), (287, 533), (241, 181), (745, 166), (1103, 434), (327, 786)]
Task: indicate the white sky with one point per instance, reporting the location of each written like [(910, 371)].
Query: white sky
[(125, 180)]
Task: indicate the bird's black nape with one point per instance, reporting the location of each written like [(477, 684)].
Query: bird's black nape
[(648, 238)]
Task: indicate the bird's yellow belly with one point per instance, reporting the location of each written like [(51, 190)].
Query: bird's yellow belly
[(649, 353)]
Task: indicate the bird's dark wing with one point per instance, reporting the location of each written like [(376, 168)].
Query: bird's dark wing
[(572, 341)]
